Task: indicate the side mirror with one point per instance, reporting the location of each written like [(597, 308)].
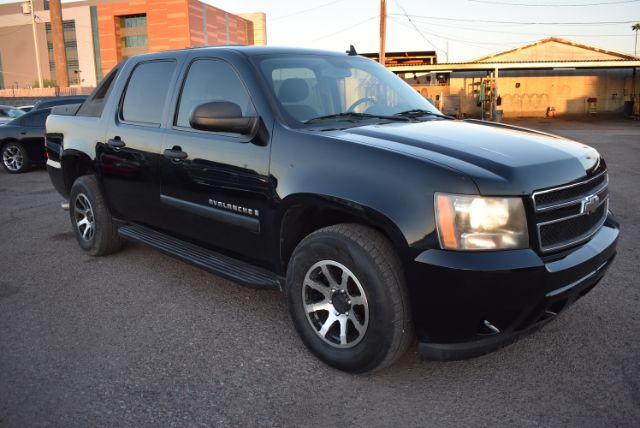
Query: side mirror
[(221, 116)]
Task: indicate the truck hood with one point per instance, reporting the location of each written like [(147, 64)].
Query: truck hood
[(501, 159)]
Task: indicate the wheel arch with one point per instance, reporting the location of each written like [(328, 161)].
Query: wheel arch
[(302, 214), (8, 140), (75, 163)]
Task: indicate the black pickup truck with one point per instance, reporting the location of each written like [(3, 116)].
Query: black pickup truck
[(326, 176)]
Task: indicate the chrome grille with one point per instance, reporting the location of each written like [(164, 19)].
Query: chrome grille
[(571, 214)]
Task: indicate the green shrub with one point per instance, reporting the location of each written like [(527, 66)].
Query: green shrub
[(46, 83)]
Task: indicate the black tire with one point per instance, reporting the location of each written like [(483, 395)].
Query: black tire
[(104, 239), (14, 157), (374, 264)]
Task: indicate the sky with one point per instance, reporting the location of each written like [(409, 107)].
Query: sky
[(457, 27)]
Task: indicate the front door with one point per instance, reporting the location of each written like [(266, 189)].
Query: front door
[(219, 195)]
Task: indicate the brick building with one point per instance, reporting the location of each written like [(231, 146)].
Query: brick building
[(100, 33)]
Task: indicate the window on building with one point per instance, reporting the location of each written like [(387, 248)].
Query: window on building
[(134, 21), (133, 35), (71, 49), (208, 81), (146, 92)]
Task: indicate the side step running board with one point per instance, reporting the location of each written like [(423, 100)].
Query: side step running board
[(227, 267)]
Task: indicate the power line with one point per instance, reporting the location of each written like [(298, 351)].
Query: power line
[(476, 44), (501, 3), (415, 27), (520, 22), (341, 30), (485, 29), (300, 12)]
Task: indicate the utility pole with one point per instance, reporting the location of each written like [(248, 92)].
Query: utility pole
[(383, 29), (35, 42), (636, 28), (59, 50), (447, 53)]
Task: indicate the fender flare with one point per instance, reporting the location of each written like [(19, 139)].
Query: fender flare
[(352, 211)]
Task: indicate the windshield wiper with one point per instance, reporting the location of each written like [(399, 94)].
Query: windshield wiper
[(419, 112), (356, 116)]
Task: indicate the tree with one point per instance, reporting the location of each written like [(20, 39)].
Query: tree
[(57, 35)]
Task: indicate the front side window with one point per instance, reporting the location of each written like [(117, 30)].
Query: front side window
[(312, 86), (209, 81), (146, 92), (11, 112)]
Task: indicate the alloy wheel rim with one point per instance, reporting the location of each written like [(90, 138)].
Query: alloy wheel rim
[(83, 214), (12, 158), (335, 304)]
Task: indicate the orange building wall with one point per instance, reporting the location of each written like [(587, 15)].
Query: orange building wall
[(240, 29), (167, 26), (171, 24)]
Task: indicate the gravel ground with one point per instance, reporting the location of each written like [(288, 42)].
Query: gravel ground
[(139, 338)]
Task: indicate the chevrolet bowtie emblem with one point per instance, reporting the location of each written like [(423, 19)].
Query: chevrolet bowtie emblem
[(590, 204)]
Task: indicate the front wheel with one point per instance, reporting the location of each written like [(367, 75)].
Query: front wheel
[(95, 229), (347, 298), (14, 158)]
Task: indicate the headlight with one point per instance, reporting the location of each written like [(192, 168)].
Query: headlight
[(480, 223)]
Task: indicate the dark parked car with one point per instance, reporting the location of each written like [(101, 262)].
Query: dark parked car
[(60, 101), (22, 141)]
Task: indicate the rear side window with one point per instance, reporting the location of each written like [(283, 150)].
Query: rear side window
[(210, 80), (36, 119), (146, 92), (94, 105)]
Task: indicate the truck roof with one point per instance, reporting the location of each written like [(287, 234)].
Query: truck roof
[(251, 50)]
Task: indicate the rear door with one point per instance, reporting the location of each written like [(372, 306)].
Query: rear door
[(128, 159), (32, 133), (219, 196)]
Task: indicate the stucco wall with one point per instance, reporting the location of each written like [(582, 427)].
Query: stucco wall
[(18, 54), (259, 20), (566, 91), (18, 51)]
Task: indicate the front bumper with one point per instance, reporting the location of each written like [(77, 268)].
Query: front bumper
[(468, 304)]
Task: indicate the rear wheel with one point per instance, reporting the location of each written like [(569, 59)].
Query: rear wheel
[(14, 158), (95, 229), (347, 298)]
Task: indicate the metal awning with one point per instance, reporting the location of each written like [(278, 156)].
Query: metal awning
[(537, 65)]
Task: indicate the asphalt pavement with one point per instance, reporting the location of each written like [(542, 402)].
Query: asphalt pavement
[(138, 338)]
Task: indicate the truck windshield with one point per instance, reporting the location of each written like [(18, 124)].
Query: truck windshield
[(317, 88)]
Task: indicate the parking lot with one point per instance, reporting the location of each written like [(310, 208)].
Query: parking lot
[(138, 338)]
